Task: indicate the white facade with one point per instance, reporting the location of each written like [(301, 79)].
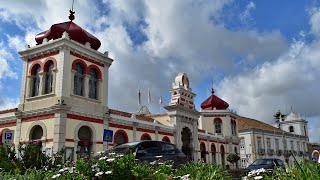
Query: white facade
[(256, 143)]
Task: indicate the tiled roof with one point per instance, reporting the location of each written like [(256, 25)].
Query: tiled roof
[(8, 110), (126, 114), (248, 123)]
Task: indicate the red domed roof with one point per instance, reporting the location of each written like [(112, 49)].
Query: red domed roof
[(75, 32), (214, 102)]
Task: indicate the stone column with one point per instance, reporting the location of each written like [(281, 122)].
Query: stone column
[(75, 149), (42, 83), (29, 87), (106, 120), (134, 131), (59, 131), (157, 133), (86, 85)]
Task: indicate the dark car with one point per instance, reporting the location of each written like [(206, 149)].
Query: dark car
[(269, 164), (152, 151)]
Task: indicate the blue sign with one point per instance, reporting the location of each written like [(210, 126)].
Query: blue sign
[(107, 135), (314, 159), (8, 136)]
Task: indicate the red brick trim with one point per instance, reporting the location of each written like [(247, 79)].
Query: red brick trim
[(9, 111), (99, 142), (120, 126), (166, 139), (44, 56), (10, 124), (81, 62), (46, 62), (49, 140), (145, 136), (92, 66), (36, 118), (34, 64), (203, 145), (165, 133), (202, 139), (87, 59), (120, 131), (146, 130), (201, 130), (83, 118), (69, 140)]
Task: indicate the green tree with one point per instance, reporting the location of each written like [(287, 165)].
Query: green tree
[(233, 158)]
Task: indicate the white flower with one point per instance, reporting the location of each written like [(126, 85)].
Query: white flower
[(94, 166), (258, 177), (112, 153), (185, 177), (108, 172), (61, 170), (119, 155), (71, 170), (103, 158), (59, 165), (153, 163), (99, 174), (110, 160), (55, 176), (160, 163), (100, 152), (158, 156)]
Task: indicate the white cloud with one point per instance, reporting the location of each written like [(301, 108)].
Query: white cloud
[(5, 68), (245, 16), (315, 21)]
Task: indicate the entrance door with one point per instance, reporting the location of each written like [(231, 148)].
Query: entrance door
[(186, 142)]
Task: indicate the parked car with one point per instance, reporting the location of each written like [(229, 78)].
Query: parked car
[(269, 164), (151, 151)]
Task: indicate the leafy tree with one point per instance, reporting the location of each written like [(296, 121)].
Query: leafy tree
[(233, 158)]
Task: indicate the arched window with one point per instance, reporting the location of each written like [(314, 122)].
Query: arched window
[(49, 78), (93, 84), (233, 127), (36, 80), (120, 137), (213, 151), (146, 136), (291, 129), (166, 139), (222, 152), (218, 125), (203, 152), (78, 80)]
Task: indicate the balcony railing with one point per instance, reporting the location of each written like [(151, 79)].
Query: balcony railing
[(300, 153)]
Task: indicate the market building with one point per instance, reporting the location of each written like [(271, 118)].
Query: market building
[(64, 104)]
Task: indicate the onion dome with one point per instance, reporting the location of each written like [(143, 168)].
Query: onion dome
[(75, 32), (214, 102)]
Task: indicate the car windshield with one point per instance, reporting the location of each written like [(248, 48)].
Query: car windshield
[(123, 148), (262, 162)]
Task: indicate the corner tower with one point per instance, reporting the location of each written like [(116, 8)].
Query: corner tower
[(64, 92)]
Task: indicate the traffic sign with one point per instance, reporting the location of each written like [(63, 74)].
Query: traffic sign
[(7, 137), (107, 135)]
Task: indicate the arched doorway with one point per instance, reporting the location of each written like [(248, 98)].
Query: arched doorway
[(213, 152), (36, 134), (222, 152), (85, 142), (186, 142), (203, 152)]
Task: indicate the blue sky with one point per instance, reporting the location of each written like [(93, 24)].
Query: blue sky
[(261, 55)]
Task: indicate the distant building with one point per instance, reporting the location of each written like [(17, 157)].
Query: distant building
[(64, 104), (261, 140)]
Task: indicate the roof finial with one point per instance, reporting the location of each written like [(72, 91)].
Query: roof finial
[(71, 16), (212, 89)]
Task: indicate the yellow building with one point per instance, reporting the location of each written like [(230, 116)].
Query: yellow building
[(64, 104)]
